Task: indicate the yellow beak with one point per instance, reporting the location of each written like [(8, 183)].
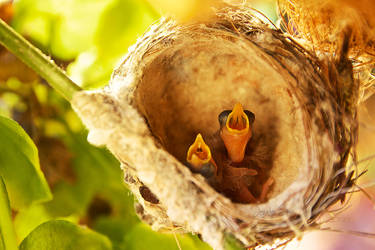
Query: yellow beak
[(199, 155), (236, 133)]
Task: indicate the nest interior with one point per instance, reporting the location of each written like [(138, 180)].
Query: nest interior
[(174, 83), (190, 82)]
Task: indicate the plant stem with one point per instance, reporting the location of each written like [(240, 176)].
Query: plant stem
[(35, 59), (6, 226)]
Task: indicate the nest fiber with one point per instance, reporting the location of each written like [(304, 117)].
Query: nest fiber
[(173, 84)]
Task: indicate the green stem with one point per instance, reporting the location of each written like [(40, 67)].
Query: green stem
[(36, 60), (6, 225)]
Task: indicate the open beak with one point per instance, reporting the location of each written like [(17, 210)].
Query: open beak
[(236, 131), (200, 159)]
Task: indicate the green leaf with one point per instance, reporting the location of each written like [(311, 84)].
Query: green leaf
[(119, 223), (28, 219), (2, 247), (64, 235), (96, 40), (19, 166), (7, 234), (120, 24), (231, 243), (95, 170), (123, 20), (65, 30), (143, 238)]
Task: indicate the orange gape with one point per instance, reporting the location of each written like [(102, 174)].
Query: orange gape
[(236, 133), (200, 159)]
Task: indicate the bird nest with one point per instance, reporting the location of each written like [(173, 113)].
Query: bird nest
[(322, 22), (173, 85)]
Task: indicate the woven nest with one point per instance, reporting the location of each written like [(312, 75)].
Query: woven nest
[(323, 25), (174, 83)]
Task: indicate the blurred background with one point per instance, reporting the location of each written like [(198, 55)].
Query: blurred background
[(88, 38)]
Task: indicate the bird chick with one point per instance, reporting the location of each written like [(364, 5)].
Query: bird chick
[(200, 160), (236, 131)]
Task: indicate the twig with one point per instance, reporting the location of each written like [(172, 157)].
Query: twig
[(355, 233)]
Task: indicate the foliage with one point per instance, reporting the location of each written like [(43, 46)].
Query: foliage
[(59, 234), (94, 42), (7, 235), (19, 166), (85, 203)]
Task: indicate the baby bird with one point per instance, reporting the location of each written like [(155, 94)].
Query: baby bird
[(200, 159), (233, 176), (236, 131)]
